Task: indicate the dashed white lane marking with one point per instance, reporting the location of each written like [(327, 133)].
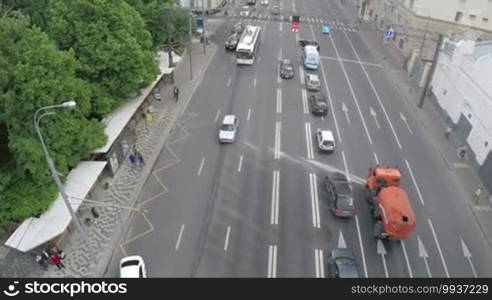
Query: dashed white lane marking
[(178, 241), (201, 167)]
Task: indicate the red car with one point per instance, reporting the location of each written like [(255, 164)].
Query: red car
[(319, 104)]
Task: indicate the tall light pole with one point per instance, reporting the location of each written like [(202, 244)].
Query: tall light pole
[(52, 168)]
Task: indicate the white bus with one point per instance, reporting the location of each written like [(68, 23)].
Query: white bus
[(248, 45)]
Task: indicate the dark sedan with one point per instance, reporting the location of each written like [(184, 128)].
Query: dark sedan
[(232, 41), (304, 43), (286, 69), (319, 104), (342, 264), (237, 28), (340, 195)]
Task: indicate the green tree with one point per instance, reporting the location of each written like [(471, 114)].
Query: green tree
[(111, 44), (43, 75)]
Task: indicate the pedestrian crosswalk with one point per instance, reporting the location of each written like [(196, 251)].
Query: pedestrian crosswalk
[(263, 18)]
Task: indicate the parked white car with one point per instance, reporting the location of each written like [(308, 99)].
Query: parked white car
[(264, 2), (132, 267), (244, 12)]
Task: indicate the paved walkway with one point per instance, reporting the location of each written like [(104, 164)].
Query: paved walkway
[(465, 172)]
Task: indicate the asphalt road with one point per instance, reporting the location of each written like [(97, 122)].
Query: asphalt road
[(257, 208)]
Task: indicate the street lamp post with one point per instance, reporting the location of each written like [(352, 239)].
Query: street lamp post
[(52, 168)]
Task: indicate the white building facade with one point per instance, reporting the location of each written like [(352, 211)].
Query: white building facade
[(462, 85)]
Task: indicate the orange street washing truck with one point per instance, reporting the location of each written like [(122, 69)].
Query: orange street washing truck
[(389, 204)]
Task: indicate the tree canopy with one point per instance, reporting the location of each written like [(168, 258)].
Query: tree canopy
[(97, 53)]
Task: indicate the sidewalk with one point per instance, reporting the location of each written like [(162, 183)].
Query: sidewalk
[(125, 187), (434, 120)]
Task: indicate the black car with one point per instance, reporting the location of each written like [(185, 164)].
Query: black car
[(342, 264), (318, 103), (340, 195), (286, 69), (231, 41), (237, 28), (304, 43)]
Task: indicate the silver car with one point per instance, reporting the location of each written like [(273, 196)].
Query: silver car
[(312, 82)]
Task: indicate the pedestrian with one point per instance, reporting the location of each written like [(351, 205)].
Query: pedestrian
[(476, 195), (176, 93), (40, 259), (56, 259), (132, 158), (448, 132), (462, 151), (140, 159)]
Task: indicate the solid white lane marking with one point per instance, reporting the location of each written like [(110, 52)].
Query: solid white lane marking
[(351, 61), (217, 116), (280, 26), (228, 81), (305, 108), (278, 139), (318, 263), (201, 167), (179, 236), (361, 246), (439, 248), (349, 82), (279, 101), (240, 163), (272, 261), (375, 92), (376, 158), (275, 192), (307, 128), (313, 185), (415, 183), (249, 114), (226, 244), (254, 82), (280, 54), (409, 268)]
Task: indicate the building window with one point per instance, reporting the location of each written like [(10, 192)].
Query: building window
[(485, 20), (459, 16), (472, 17)]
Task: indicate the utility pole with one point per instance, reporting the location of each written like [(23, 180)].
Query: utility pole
[(431, 72), (204, 27), (190, 18)]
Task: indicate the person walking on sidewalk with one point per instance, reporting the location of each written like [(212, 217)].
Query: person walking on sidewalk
[(448, 132), (132, 157), (41, 260), (476, 195), (176, 93), (140, 159), (56, 259), (462, 151)]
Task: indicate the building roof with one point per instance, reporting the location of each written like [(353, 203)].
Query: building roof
[(116, 121), (34, 232)]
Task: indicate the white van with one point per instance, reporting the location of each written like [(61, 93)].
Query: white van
[(228, 129), (325, 140)]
